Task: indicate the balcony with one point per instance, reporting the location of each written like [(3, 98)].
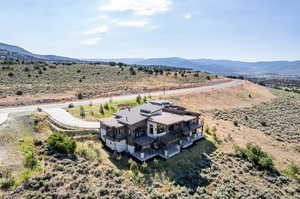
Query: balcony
[(113, 139), (145, 154), (169, 151), (197, 136), (186, 142)]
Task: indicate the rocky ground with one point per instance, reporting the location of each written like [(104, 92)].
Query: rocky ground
[(278, 118)]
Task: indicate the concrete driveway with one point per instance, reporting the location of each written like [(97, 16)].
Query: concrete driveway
[(63, 117)]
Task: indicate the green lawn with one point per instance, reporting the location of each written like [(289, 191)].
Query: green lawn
[(92, 111)]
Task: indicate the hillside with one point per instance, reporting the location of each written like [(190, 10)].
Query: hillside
[(15, 52), (209, 169), (52, 82)]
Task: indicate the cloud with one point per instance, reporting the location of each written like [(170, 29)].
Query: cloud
[(188, 16), (133, 23), (91, 41), (140, 7), (99, 29)]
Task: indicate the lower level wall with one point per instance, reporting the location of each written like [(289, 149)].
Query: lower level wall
[(116, 146)]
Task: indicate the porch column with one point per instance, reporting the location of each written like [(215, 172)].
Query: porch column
[(166, 153)]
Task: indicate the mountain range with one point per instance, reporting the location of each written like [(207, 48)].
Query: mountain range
[(10, 51), (228, 67)]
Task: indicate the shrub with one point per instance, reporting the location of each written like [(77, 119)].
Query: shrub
[(7, 181), (207, 130), (133, 167), (263, 123), (80, 96), (106, 106), (236, 123), (82, 112), (208, 78), (19, 93), (132, 71), (254, 154), (293, 171), (61, 143), (71, 105), (30, 160), (10, 74), (297, 148), (139, 99), (101, 110)]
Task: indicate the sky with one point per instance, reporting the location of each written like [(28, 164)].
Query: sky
[(246, 30)]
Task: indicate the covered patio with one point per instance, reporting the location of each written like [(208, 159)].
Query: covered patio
[(145, 154), (169, 151)]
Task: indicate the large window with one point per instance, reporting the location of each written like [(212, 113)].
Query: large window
[(139, 132)]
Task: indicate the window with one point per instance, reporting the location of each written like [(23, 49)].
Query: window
[(151, 129), (160, 128)]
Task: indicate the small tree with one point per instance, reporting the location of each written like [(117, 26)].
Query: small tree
[(82, 112), (80, 95), (19, 93), (133, 167), (106, 106), (101, 110), (132, 71), (139, 99)]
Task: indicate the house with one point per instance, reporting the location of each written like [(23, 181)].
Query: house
[(156, 128)]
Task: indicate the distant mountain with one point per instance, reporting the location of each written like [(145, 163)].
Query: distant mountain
[(15, 52), (227, 67)]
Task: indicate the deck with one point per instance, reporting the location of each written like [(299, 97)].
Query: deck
[(169, 151), (145, 154)]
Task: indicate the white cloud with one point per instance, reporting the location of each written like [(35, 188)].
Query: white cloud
[(133, 23), (188, 16), (91, 41), (140, 7), (99, 29)]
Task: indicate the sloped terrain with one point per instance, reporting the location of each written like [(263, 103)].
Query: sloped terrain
[(278, 118), (43, 82)]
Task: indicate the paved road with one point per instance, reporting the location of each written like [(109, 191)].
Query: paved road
[(4, 112)]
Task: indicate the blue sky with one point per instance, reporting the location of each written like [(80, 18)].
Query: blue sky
[(248, 30)]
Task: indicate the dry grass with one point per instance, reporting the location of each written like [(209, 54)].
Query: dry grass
[(226, 98), (283, 153), (42, 82)]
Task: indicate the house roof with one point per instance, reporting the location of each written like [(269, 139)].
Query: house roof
[(171, 118), (111, 122), (160, 102), (133, 115)]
